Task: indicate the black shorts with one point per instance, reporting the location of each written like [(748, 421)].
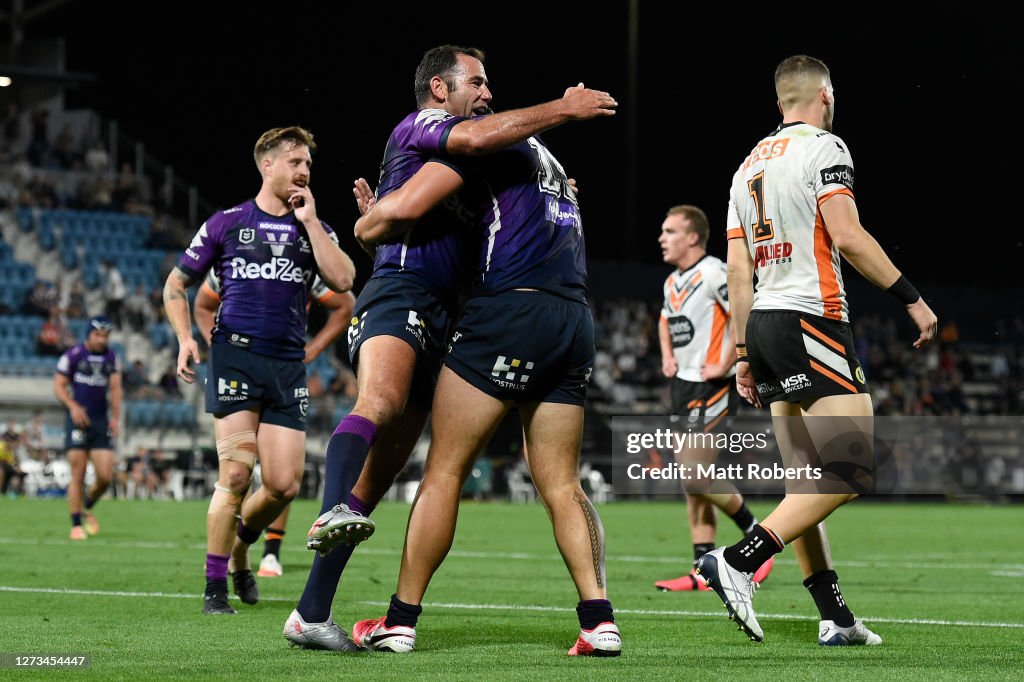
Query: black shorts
[(239, 379), (404, 309), (704, 403), (798, 356), (526, 346), (96, 436)]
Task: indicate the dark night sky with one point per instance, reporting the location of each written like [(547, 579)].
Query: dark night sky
[(924, 108)]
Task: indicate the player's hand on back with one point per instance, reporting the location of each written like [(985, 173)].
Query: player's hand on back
[(746, 385), (926, 321), (583, 103)]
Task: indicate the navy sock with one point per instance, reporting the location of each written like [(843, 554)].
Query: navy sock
[(346, 454), (593, 612), (246, 534), (88, 502), (76, 519), (744, 518), (400, 613), (700, 549), (824, 589), (757, 547)]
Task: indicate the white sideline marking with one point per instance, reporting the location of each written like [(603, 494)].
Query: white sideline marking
[(513, 607), (997, 568)]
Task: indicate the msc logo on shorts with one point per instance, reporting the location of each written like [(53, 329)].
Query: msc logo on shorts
[(232, 391), (416, 326), (505, 374), (795, 383)]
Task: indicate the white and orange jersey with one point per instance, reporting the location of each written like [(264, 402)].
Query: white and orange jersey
[(697, 310), (774, 204)]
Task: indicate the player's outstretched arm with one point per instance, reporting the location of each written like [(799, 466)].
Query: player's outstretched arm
[(863, 252), (176, 309), (488, 134), (396, 213)]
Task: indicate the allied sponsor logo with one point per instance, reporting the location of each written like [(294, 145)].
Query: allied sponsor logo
[(859, 373), (767, 149), (280, 269), (304, 246), (680, 329), (232, 390), (77, 436), (236, 209), (837, 175), (773, 254), (246, 235), (191, 254), (301, 392), (766, 387), (511, 374), (795, 383), (276, 227)]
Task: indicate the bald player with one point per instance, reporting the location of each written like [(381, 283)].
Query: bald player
[(791, 215)]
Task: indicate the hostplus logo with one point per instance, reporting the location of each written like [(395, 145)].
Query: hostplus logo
[(232, 390), (355, 328), (417, 327), (511, 374)]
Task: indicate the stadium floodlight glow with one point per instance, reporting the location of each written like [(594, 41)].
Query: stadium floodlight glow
[(5, 81)]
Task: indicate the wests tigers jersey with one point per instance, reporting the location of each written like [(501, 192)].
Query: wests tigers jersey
[(697, 310), (775, 205)]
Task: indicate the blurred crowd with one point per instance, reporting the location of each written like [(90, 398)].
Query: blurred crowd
[(948, 378)]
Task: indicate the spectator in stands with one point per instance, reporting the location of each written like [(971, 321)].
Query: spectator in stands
[(136, 379), (169, 382), (74, 306), (10, 471), (39, 300), (54, 337), (12, 435), (65, 152), (35, 440), (96, 158), (138, 311), (114, 290)]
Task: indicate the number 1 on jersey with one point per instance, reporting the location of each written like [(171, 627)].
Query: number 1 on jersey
[(762, 228)]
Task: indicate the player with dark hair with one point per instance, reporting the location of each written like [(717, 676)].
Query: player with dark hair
[(266, 254), (531, 266), (791, 215), (86, 373)]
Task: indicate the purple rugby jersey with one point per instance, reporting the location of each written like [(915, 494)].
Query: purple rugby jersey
[(90, 375), (434, 251), (266, 269)]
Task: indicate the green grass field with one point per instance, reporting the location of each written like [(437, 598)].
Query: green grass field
[(942, 584)]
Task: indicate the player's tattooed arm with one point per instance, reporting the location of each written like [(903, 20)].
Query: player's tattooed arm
[(596, 532)]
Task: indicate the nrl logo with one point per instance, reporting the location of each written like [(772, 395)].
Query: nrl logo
[(247, 235)]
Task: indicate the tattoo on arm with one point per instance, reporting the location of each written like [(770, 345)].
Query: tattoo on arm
[(596, 535)]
